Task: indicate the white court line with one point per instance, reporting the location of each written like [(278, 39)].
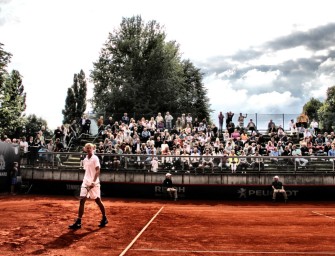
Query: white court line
[(317, 213), (139, 234), (234, 251)]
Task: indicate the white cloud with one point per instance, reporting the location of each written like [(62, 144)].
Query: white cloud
[(52, 40)]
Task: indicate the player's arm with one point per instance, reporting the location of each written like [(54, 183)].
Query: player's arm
[(97, 173)]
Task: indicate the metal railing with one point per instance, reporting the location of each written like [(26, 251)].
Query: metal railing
[(181, 163)]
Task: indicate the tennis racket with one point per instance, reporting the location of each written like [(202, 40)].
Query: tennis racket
[(81, 192)]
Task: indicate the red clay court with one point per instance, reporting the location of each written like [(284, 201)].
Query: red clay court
[(38, 225)]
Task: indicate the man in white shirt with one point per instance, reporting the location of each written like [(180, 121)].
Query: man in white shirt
[(168, 121), (297, 152), (315, 127), (90, 187)]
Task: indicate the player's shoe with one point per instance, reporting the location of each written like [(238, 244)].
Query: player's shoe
[(103, 222), (76, 225)]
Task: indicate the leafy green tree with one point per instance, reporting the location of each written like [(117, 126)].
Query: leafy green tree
[(326, 112), (193, 98), (139, 72), (12, 96), (75, 102), (311, 108), (33, 124)]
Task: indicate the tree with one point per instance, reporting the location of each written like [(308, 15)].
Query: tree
[(193, 96), (75, 102), (311, 108), (139, 72), (12, 96), (33, 124), (326, 112)]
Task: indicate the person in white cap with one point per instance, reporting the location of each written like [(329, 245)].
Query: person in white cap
[(278, 187), (169, 186)]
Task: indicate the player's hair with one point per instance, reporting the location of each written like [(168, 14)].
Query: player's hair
[(90, 145)]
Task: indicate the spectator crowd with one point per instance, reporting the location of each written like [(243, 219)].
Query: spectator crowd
[(184, 142)]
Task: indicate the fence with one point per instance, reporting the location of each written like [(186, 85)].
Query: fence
[(185, 164), (261, 120)]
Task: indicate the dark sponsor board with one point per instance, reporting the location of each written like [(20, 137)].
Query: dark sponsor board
[(217, 192)]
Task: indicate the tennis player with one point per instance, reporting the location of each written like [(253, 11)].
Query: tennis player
[(90, 187)]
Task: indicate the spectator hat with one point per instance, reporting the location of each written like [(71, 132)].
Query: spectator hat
[(276, 177), (168, 174)]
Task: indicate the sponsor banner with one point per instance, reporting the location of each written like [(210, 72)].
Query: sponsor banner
[(234, 192)]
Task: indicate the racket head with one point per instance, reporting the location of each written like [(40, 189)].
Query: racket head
[(81, 192)]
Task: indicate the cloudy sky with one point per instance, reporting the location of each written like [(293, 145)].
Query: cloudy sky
[(258, 56)]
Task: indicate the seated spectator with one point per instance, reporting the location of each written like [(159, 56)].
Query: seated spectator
[(274, 153), (296, 152), (166, 158), (195, 158), (236, 134), (169, 186), (226, 136), (251, 126), (269, 147), (145, 135), (233, 161), (331, 152), (185, 161), (139, 160), (257, 162), (318, 143), (244, 137), (176, 160), (278, 187), (244, 164), (207, 161), (272, 130)]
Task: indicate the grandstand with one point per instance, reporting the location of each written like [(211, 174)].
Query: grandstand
[(126, 167)]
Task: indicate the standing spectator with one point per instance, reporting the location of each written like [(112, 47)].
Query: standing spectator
[(100, 124), (59, 147), (125, 118), (23, 150), (73, 129), (229, 118), (278, 187), (183, 121), (315, 127), (169, 186), (85, 124), (14, 175), (221, 118), (168, 121), (302, 120), (159, 118), (241, 120), (189, 120), (58, 133), (230, 128), (271, 124), (290, 125)]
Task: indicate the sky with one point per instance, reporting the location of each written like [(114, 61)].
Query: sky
[(257, 56)]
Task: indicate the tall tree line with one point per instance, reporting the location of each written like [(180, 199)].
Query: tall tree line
[(12, 97), (75, 102)]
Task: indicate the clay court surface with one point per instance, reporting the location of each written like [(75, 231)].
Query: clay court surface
[(38, 225)]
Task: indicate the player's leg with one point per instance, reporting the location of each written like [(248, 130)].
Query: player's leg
[(104, 219), (77, 223)]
